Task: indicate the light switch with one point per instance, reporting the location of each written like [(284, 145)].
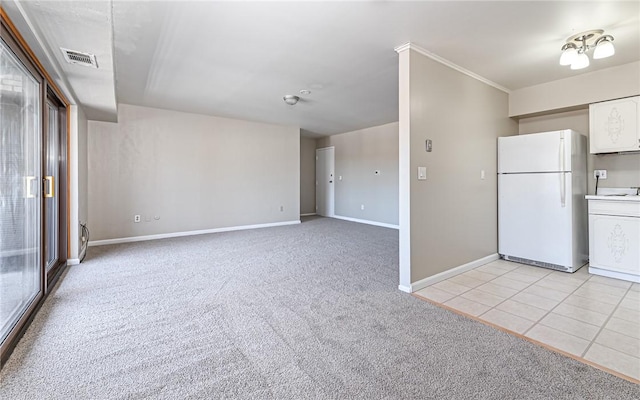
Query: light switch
[(422, 173)]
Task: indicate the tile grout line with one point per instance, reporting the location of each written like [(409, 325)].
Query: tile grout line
[(492, 307), (557, 305), (573, 293), (460, 295), (606, 322), (520, 291), (561, 301)]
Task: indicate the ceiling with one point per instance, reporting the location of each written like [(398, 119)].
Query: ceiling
[(237, 59)]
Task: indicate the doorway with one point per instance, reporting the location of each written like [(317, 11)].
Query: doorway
[(325, 181)]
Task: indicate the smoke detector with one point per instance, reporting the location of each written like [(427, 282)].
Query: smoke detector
[(291, 99), (79, 58)]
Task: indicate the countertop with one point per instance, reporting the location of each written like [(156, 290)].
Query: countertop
[(613, 197), (616, 194)]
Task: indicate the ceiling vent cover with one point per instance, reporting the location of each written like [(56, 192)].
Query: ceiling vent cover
[(80, 58)]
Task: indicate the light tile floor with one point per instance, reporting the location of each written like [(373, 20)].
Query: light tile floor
[(590, 317)]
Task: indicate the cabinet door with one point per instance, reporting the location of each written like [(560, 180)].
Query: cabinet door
[(614, 126), (614, 243)]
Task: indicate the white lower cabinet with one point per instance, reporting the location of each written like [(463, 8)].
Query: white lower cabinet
[(614, 239)]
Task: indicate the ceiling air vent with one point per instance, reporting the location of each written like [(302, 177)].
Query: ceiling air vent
[(77, 57)]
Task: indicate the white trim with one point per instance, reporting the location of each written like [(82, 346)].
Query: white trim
[(365, 221), (430, 280), (405, 289), (404, 170), (307, 214), (435, 57), (73, 261), (187, 233), (614, 274)]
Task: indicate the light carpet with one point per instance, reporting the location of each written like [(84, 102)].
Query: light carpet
[(309, 311)]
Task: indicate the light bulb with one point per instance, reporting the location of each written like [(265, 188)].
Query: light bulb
[(604, 49), (581, 61), (568, 56)]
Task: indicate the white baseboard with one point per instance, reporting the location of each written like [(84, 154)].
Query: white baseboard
[(187, 233), (449, 273), (73, 261), (614, 274), (365, 221), (307, 214), (405, 289)]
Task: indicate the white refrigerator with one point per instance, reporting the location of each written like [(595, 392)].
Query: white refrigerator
[(542, 211)]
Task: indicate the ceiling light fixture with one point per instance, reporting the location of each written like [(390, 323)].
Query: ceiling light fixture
[(291, 99), (576, 54), (305, 92)]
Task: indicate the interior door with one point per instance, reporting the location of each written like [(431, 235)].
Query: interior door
[(20, 195), (325, 182)]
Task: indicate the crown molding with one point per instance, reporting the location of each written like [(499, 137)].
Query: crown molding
[(435, 57)]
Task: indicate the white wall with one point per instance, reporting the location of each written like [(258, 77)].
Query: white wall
[(358, 155), (78, 184), (184, 172), (450, 218), (307, 175), (577, 91)]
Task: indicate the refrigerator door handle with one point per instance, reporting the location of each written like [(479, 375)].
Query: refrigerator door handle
[(563, 190), (562, 155), (563, 184)]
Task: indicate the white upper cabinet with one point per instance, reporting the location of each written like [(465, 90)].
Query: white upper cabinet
[(614, 125)]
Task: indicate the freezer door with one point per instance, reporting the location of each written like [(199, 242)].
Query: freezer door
[(534, 217), (537, 152)]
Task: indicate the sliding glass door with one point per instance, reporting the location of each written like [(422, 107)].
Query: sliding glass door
[(20, 194)]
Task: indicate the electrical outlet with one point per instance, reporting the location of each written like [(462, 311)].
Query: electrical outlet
[(137, 218), (281, 208), (362, 206), (600, 173)]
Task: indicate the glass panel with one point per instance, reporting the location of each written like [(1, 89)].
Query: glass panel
[(20, 273), (51, 209)]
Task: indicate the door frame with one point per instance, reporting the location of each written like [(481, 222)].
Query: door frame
[(319, 182), (51, 275)]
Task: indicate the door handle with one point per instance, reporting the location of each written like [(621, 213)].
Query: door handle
[(28, 186), (51, 184), (562, 157), (563, 191)]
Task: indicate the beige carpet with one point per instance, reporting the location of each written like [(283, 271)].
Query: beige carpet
[(309, 311)]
